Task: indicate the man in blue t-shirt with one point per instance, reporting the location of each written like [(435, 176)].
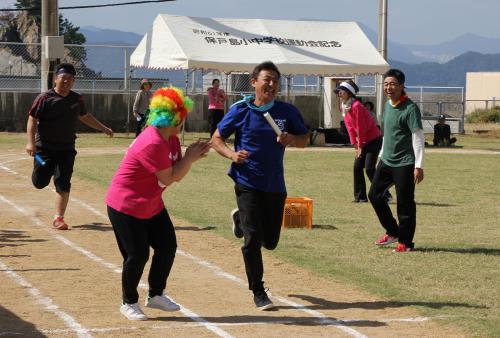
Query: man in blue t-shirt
[(257, 169)]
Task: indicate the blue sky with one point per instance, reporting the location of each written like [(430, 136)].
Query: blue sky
[(410, 21)]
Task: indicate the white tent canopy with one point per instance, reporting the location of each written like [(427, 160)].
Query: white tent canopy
[(237, 45)]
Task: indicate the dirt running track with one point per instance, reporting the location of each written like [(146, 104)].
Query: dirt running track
[(67, 284)]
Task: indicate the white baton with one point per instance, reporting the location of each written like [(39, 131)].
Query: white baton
[(273, 124)]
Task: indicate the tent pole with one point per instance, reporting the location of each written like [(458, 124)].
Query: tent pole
[(382, 48), (288, 77), (186, 84), (225, 102), (321, 100)]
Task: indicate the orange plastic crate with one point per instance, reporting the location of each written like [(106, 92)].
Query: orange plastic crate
[(298, 213)]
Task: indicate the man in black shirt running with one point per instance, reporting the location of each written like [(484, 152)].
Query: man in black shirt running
[(51, 133)]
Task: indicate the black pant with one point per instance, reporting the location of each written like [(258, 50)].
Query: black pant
[(58, 163), (261, 214), (403, 180), (367, 161), (214, 117), (134, 237), (444, 142)]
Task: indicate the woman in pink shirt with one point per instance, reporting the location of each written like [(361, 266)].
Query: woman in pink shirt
[(216, 99), (363, 134), (136, 210)]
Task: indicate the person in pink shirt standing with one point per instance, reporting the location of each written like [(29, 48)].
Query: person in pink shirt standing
[(363, 134), (135, 206), (216, 99)]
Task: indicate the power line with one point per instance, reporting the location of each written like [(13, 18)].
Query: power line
[(88, 6)]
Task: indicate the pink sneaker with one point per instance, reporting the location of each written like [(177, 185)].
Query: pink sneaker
[(402, 248), (59, 223), (386, 240)]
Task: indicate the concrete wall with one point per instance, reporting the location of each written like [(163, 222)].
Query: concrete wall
[(483, 90), (111, 109)]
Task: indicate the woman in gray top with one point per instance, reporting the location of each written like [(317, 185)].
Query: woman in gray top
[(141, 104)]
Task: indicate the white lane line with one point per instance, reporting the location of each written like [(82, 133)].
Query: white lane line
[(414, 319), (17, 160), (10, 333), (185, 311), (88, 207), (49, 304), (73, 199), (8, 170), (85, 252), (323, 319), (220, 272), (339, 324), (173, 326)]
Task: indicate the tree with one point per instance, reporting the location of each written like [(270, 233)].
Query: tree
[(70, 32), (31, 4), (66, 28)]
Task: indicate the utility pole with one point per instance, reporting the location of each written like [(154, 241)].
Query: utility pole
[(50, 28), (382, 49)]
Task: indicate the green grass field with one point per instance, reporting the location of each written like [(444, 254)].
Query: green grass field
[(454, 274)]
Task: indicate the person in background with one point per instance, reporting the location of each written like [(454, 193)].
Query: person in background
[(51, 132), (216, 99), (442, 133), (364, 135), (257, 169), (141, 105), (134, 200), (401, 163)]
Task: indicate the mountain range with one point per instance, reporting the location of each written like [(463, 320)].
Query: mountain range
[(443, 64), (440, 53)]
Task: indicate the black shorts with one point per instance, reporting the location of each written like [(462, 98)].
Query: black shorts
[(58, 163)]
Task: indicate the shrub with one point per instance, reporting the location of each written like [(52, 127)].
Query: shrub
[(484, 116)]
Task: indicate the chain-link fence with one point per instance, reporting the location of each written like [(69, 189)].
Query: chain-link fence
[(105, 69), (434, 101)]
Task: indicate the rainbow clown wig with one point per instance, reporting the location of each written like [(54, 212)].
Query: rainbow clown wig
[(168, 107)]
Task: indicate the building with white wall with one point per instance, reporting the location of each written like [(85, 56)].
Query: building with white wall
[(482, 90)]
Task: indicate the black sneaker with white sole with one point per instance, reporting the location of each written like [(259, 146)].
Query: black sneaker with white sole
[(262, 301), (235, 216)]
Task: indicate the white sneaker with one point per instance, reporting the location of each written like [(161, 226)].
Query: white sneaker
[(133, 312), (161, 302)]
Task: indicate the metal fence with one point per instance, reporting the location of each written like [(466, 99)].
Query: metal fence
[(106, 69), (472, 105)]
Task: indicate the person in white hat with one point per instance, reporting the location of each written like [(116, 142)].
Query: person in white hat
[(364, 135)]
